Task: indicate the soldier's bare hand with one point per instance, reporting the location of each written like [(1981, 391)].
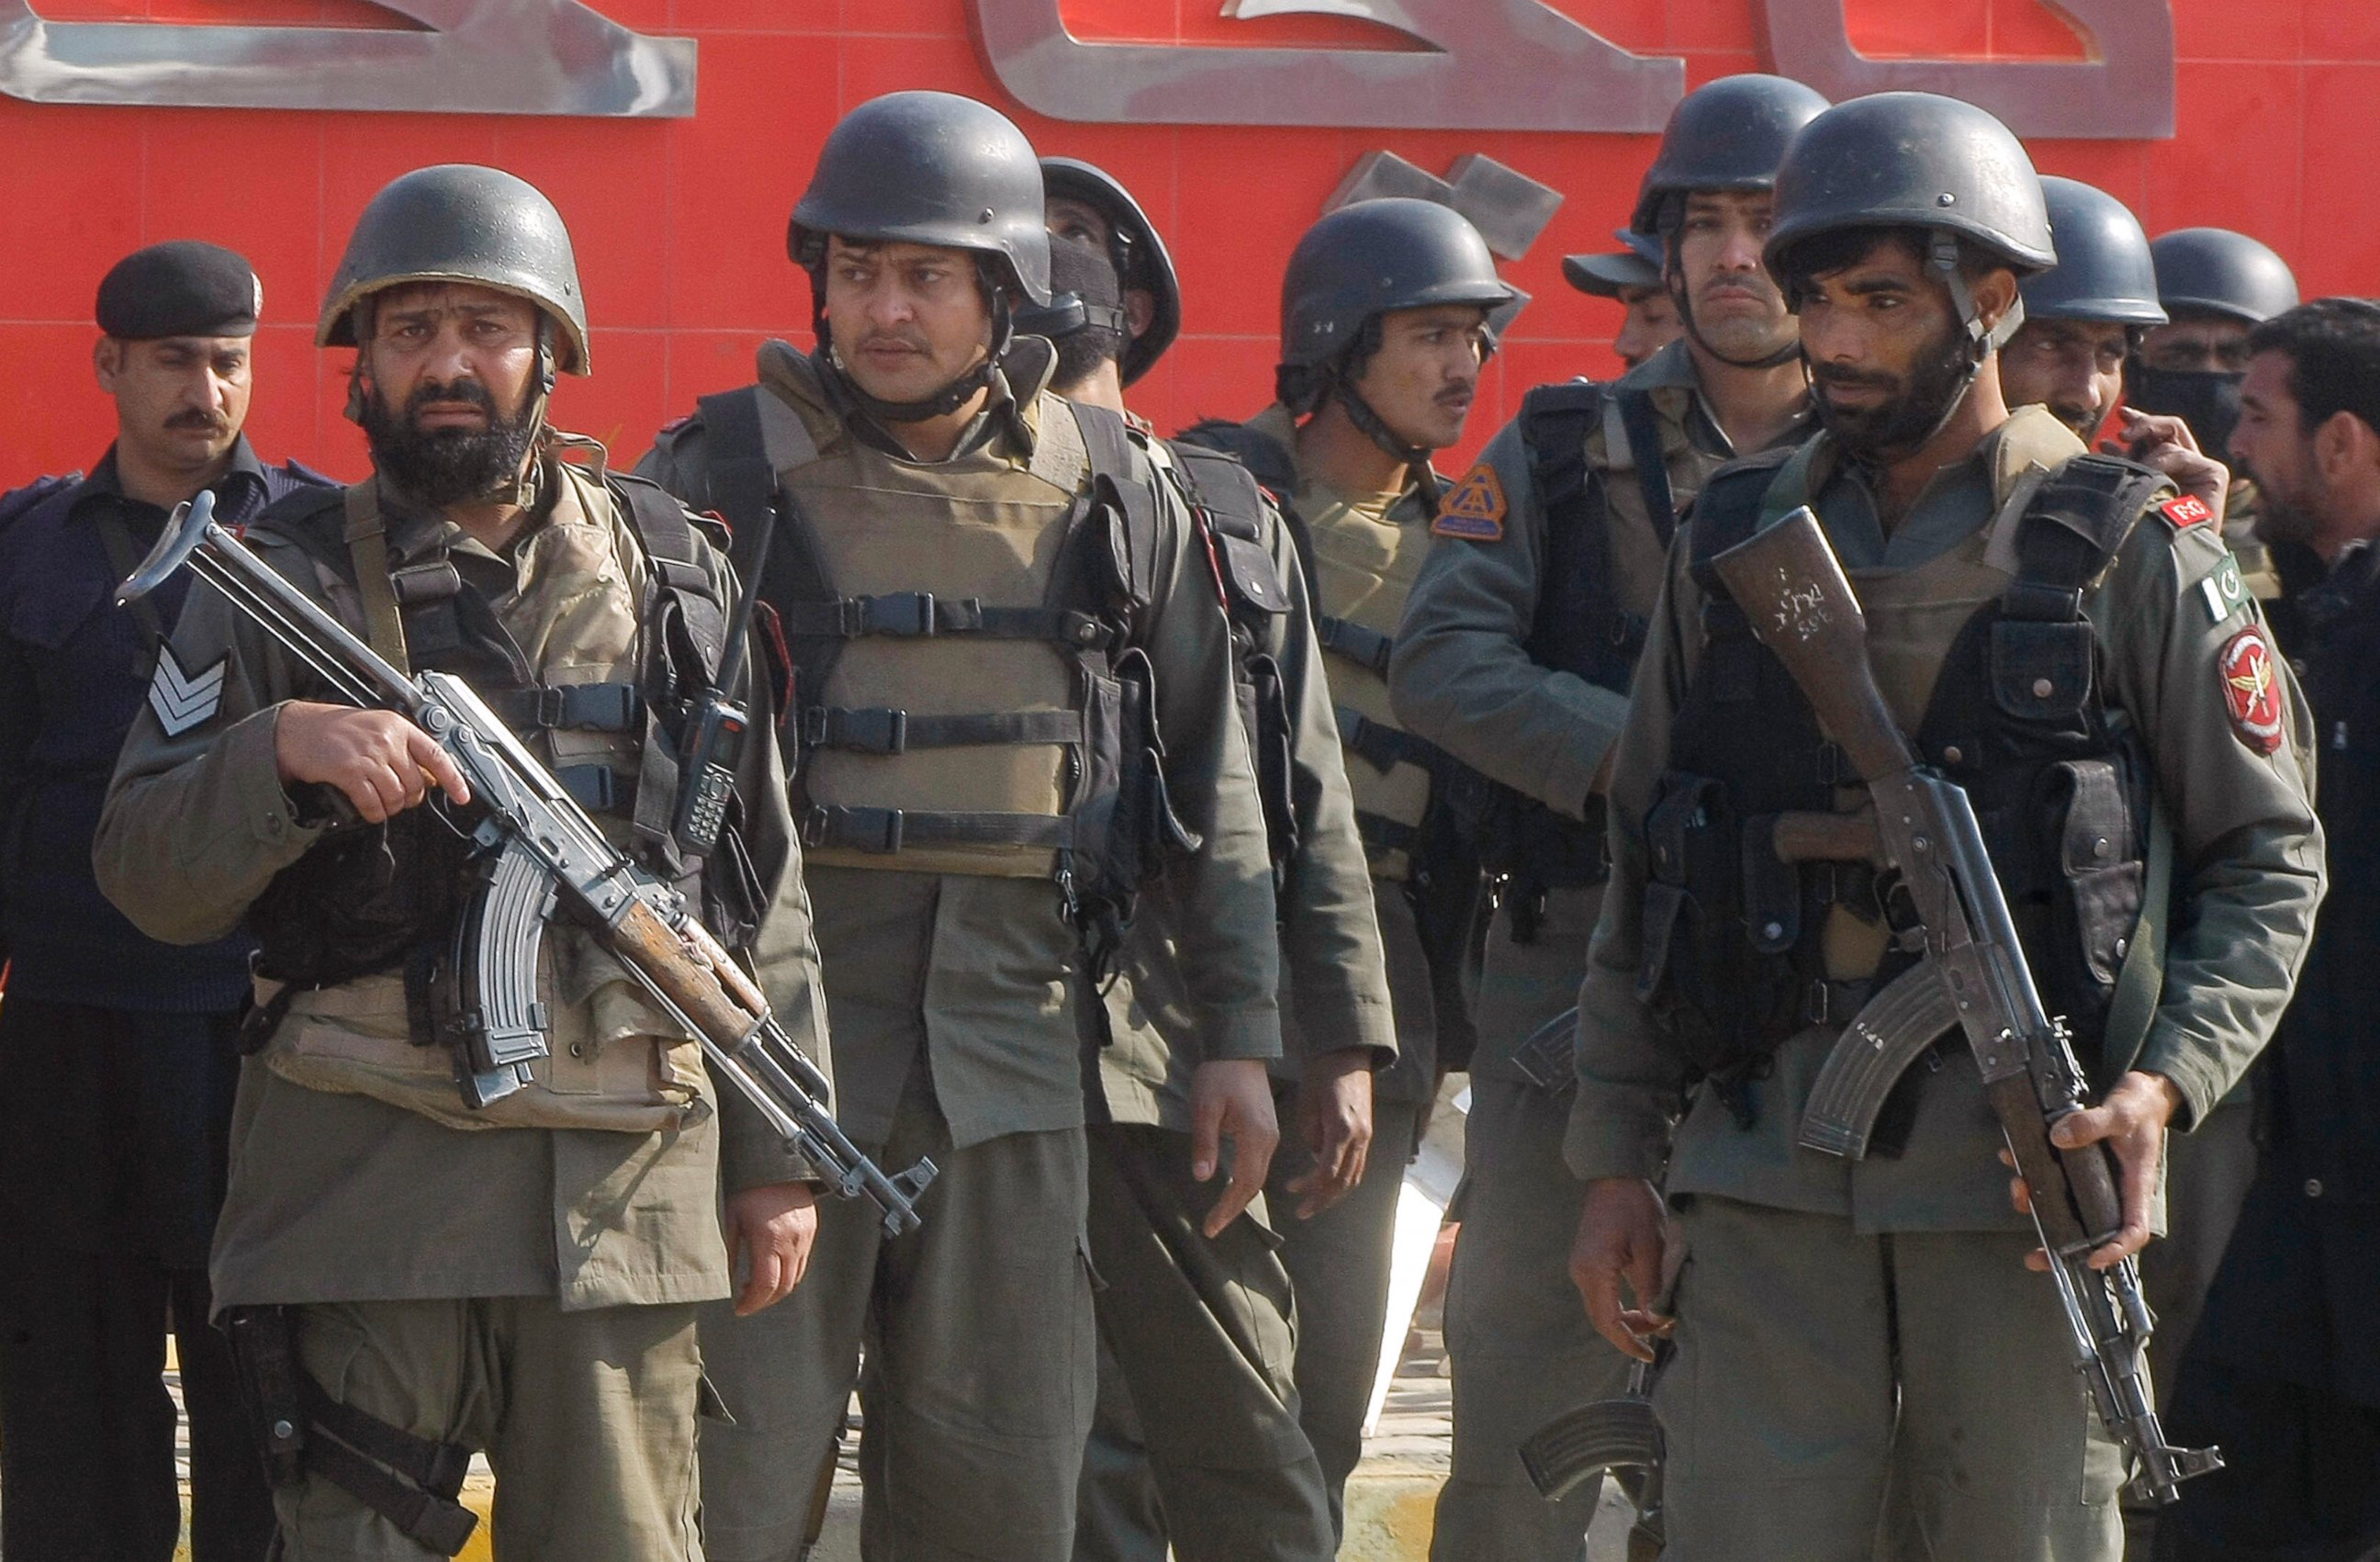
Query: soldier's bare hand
[(2132, 1122), (380, 763), (1334, 1123), (770, 1233), (1232, 1099), (2157, 440), (1624, 1234)]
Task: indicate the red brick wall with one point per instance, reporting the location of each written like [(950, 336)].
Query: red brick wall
[(680, 224)]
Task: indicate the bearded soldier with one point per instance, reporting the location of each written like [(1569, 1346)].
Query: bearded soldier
[(2039, 621), (1514, 656), (1014, 701), (411, 1280)]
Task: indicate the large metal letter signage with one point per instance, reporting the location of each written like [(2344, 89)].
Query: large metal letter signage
[(1490, 65), (2123, 92), (477, 57)]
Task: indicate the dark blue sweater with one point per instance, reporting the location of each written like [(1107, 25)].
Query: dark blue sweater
[(72, 676)]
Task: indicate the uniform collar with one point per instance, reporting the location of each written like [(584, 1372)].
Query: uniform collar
[(242, 483), (1277, 423), (416, 531), (1672, 378)]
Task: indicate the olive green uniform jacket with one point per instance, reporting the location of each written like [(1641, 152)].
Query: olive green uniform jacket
[(342, 1197), (1335, 989), (2248, 862)]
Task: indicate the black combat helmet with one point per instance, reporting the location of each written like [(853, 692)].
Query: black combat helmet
[(1363, 260), (1916, 160), (2220, 272), (1134, 244), (928, 168), (1726, 135), (2104, 272), (458, 221)]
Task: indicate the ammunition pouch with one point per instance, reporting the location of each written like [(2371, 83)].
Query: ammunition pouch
[(410, 1481)]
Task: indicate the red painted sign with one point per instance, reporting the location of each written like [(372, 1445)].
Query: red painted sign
[(680, 220)]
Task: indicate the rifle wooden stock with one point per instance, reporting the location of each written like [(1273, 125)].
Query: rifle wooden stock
[(1804, 835), (1790, 584)]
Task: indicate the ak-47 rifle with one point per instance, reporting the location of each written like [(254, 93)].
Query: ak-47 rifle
[(538, 854), (1972, 974)]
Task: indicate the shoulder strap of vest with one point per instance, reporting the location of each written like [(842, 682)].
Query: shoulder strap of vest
[(1641, 422), (740, 478), (1117, 478), (1728, 509), (1273, 463), (367, 539), (1225, 500), (1555, 422), (2078, 518)]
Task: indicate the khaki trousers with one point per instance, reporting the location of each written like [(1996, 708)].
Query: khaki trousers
[(1815, 1365), (588, 1419), (980, 1378), (1202, 1332)]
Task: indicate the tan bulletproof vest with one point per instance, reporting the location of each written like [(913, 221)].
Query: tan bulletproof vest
[(982, 527), (614, 1062), (1364, 564)]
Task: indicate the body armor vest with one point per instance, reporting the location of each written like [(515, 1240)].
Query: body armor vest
[(2004, 681), (597, 694), (970, 695)]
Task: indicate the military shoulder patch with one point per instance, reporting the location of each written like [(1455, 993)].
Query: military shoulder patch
[(2223, 590), (2185, 512), (180, 701), (2252, 689), (1473, 509)]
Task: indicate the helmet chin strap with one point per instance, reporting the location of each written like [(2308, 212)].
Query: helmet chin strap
[(1673, 282), (1375, 429)]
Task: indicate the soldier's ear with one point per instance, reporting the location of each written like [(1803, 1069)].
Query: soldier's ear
[(1995, 294), (108, 363)]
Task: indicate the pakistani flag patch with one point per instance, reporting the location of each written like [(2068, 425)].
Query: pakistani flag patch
[(181, 700)]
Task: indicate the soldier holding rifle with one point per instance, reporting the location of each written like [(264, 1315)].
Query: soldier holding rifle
[(417, 1264), (2059, 635)]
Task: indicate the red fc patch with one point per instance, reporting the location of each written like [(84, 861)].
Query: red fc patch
[(2185, 512), (1473, 509), (2252, 688)]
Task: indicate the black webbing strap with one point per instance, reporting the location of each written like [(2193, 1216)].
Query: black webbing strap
[(1385, 745), (884, 730), (124, 557), (1364, 646), (1382, 834), (1641, 422), (904, 615), (597, 789), (888, 830), (571, 707), (416, 1490)]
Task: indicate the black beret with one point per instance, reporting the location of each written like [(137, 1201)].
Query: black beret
[(182, 289)]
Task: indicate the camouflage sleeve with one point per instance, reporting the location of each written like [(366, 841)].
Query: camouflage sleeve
[(784, 953), (1230, 958), (2226, 727), (1463, 677), (1629, 1084), (196, 822), (1330, 933)]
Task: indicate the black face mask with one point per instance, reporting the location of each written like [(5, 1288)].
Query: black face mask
[(448, 466), (2208, 400)]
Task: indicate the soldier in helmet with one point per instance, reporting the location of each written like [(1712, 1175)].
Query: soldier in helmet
[(1198, 1332), (1015, 700), (1630, 277), (2085, 317), (1839, 1321), (411, 1280), (2216, 286), (1514, 656)]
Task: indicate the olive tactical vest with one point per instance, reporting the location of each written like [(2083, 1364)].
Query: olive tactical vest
[(969, 693), (354, 937), (2002, 680)]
